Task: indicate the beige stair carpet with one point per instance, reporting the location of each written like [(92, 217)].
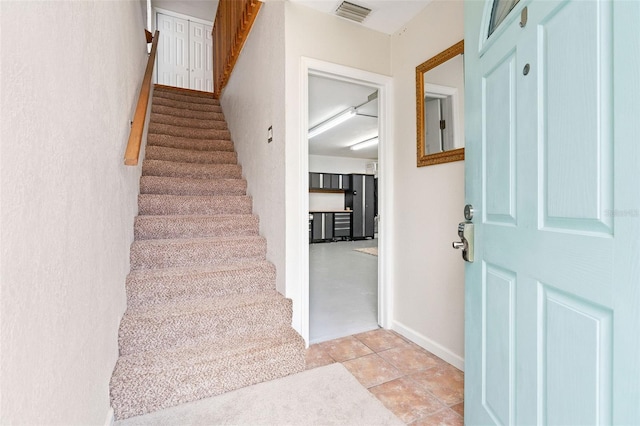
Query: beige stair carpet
[(203, 315)]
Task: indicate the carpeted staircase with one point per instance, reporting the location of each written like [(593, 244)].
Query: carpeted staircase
[(203, 315)]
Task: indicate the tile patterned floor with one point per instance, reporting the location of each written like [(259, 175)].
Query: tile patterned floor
[(417, 386)]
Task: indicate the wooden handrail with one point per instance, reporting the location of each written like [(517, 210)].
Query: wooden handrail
[(231, 28), (137, 127)]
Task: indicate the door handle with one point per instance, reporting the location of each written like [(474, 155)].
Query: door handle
[(465, 232)]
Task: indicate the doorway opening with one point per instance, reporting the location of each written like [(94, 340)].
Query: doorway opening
[(343, 210), (384, 85), (299, 291)]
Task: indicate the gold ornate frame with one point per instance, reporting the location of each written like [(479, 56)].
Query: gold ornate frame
[(440, 157)]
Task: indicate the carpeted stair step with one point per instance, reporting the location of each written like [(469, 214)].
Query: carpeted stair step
[(187, 113), (159, 204), (150, 381), (188, 132), (169, 253), (184, 96), (190, 156), (190, 92), (190, 186), (160, 286), (148, 227), (189, 123), (191, 170), (167, 141), (158, 100), (192, 322)]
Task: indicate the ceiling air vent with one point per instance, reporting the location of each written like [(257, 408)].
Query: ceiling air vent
[(352, 11)]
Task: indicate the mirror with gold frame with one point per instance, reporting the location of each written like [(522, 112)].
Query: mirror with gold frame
[(440, 107)]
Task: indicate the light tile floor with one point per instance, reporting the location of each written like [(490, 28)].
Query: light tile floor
[(417, 386)]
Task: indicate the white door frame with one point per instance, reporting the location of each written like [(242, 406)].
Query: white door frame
[(384, 84)]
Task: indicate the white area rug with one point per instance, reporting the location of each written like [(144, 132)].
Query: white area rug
[(369, 250), (327, 395)]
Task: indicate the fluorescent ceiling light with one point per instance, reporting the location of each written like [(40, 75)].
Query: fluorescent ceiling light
[(364, 144), (332, 122)]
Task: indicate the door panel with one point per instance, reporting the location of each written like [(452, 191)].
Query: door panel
[(185, 53), (197, 56), (432, 132), (577, 346), (173, 51), (575, 117), (541, 297), (498, 352), (499, 142), (208, 58)]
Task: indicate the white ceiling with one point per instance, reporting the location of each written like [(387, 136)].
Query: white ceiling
[(327, 98), (387, 16)]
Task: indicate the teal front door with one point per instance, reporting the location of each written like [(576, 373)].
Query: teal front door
[(552, 298)]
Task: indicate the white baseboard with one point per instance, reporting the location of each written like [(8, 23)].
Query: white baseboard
[(433, 347), (110, 419)]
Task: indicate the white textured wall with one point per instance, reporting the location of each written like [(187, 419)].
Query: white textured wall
[(429, 201), (252, 101), (316, 35), (345, 165), (70, 74), (325, 202)]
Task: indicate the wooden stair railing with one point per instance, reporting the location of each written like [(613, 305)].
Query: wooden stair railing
[(231, 28), (137, 127)]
